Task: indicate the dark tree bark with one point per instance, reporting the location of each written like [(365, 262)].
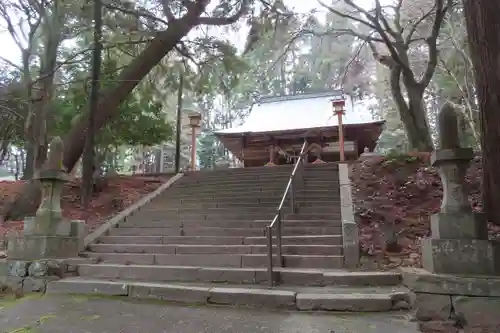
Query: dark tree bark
[(483, 29), (88, 155)]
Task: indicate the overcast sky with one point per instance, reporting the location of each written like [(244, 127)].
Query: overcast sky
[(10, 51)]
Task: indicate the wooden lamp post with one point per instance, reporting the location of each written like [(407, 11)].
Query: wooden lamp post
[(339, 110), (194, 122)]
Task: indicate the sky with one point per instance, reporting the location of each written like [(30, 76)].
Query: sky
[(10, 51)]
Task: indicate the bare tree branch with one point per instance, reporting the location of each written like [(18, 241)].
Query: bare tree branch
[(10, 63), (167, 10), (374, 23), (227, 20), (135, 13), (348, 16), (441, 10), (379, 15), (397, 16), (414, 26)]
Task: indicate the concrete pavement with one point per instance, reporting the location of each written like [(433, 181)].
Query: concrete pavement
[(83, 314)]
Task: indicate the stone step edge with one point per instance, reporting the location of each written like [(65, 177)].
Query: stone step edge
[(271, 297), (87, 254), (315, 276)]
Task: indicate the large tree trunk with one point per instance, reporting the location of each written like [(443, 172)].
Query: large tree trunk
[(483, 28), (107, 109), (412, 112)]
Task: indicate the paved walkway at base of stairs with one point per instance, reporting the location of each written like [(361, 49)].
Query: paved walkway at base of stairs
[(83, 314)]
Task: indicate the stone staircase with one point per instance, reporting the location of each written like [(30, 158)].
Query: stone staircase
[(203, 240)]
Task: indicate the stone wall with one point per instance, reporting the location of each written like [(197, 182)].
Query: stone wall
[(33, 276), (445, 302)]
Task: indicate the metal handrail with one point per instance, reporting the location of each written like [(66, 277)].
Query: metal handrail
[(277, 218)]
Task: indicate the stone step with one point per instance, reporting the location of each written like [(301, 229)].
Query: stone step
[(250, 204), (153, 213), (236, 184), (214, 249), (241, 213), (312, 178), (249, 201), (215, 231), (224, 195), (213, 202), (367, 299), (244, 201), (281, 169), (284, 172), (291, 276), (221, 240), (227, 223), (217, 260)]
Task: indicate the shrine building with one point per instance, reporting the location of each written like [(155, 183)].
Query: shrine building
[(276, 128)]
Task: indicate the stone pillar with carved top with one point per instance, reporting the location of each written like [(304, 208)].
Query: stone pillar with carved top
[(459, 283), (39, 254), (459, 237), (48, 234)]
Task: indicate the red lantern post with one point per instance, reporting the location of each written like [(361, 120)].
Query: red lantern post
[(339, 110)]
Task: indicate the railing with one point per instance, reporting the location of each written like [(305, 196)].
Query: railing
[(277, 221)]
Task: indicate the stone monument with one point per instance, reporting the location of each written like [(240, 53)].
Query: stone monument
[(47, 237), (461, 267)]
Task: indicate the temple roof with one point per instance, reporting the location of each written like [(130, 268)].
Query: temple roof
[(303, 111)]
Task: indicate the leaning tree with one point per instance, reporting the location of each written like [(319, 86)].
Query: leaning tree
[(171, 22)]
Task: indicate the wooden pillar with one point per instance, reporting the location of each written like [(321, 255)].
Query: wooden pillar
[(193, 148), (242, 150), (341, 135), (194, 121), (339, 110), (272, 156)]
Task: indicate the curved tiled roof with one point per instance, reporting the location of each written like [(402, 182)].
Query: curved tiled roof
[(299, 111)]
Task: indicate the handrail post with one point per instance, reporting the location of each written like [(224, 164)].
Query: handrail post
[(292, 196), (302, 170), (279, 240), (278, 222), (269, 235)]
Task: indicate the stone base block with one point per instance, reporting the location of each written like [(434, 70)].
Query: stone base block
[(459, 225), (350, 237), (74, 228), (421, 281), (461, 256), (31, 247), (472, 302)]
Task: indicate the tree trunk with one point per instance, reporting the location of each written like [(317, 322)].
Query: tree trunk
[(483, 29), (412, 112), (89, 152), (129, 78), (107, 109)]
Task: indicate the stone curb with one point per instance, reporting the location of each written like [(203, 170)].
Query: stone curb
[(350, 231), (219, 295), (103, 229), (240, 276)]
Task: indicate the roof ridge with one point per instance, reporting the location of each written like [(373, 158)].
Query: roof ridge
[(281, 98)]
